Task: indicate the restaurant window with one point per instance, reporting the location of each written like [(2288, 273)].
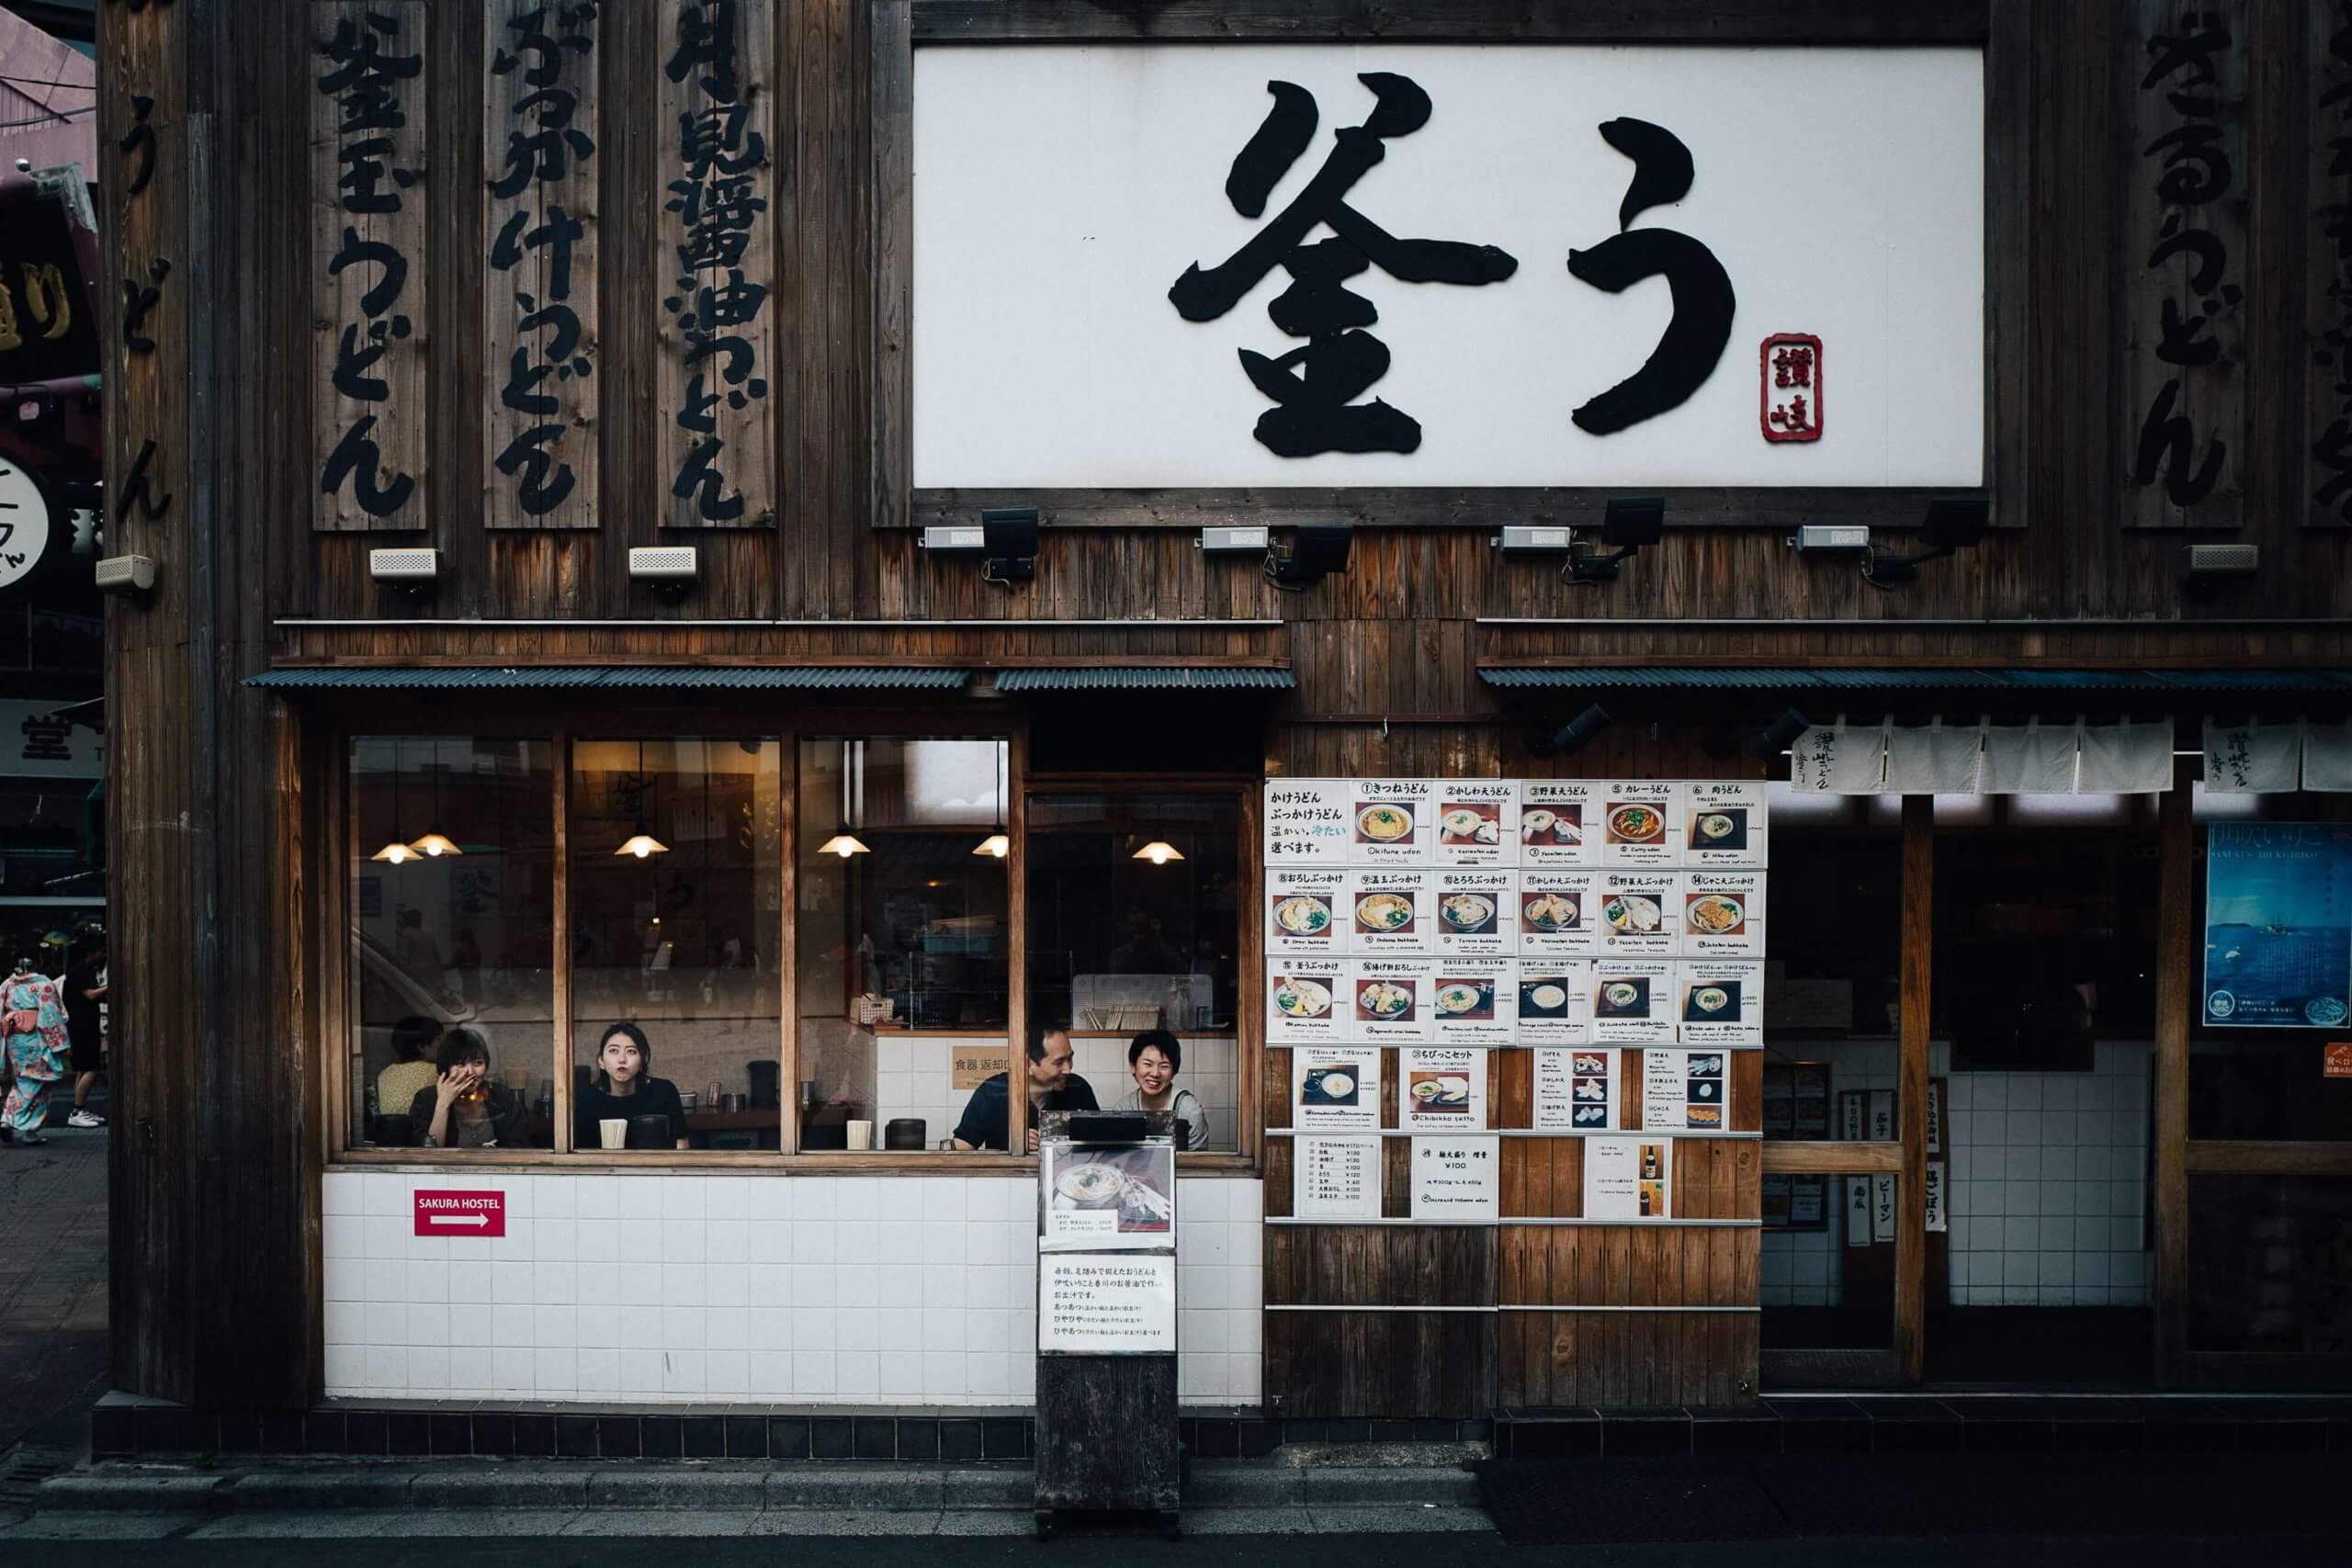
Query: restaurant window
[(2270, 1264), (902, 921), (1133, 921), (675, 926), (452, 886)]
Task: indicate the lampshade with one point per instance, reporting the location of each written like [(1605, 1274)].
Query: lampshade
[(395, 853), (641, 845), (1159, 851), (435, 843), (844, 843), (997, 843)]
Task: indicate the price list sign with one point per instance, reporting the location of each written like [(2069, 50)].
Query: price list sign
[(1090, 1304)]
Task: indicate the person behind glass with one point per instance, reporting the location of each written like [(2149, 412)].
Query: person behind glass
[(1153, 1060), (409, 1072), (988, 1117), (463, 1109), (624, 1088)]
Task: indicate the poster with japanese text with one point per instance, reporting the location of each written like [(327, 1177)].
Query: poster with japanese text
[(1934, 1194), (2277, 925), (1391, 910), (1475, 1003), (1441, 1090), (1389, 1000), (1556, 914), (1393, 822), (1858, 1210), (1106, 1305), (1303, 999), (1555, 1001), (1718, 1002), (1724, 823), (1628, 1179), (1339, 1178), (1558, 823), (1474, 911), (1686, 1091), (1456, 1178), (1108, 1200), (1639, 913), (1308, 910), (1575, 1090), (1633, 1002), (1721, 914), (1641, 823), (1477, 822), (1308, 821), (1335, 1088), (1882, 1206)]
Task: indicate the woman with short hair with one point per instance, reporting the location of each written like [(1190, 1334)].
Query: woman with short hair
[(624, 1090), (464, 1109), (1154, 1059)]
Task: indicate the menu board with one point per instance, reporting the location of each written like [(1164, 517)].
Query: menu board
[(1392, 822), (1719, 1003), (1090, 1304), (1456, 1178), (1308, 910), (1389, 1000), (1629, 1178), (1559, 822), (1474, 911), (1477, 822), (1441, 1090), (1308, 821), (1641, 823), (1391, 910), (1106, 1199), (1632, 1001), (1575, 1091), (1339, 1178), (1639, 912), (1555, 1001), (1335, 1088), (1475, 1001), (1556, 913), (1686, 1091), (1721, 914), (1724, 823), (1302, 1000)]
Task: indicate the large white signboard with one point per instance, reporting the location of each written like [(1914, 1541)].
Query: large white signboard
[(1099, 1304), (1062, 192)]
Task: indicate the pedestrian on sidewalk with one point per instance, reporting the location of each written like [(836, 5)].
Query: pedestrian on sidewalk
[(85, 1002), (32, 1038)]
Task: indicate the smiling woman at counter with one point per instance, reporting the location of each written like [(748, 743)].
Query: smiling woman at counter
[(1154, 1059)]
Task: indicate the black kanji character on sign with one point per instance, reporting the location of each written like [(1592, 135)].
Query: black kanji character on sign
[(1316, 386), (138, 491), (357, 458), (138, 143), (138, 300), (1700, 326), (48, 739)]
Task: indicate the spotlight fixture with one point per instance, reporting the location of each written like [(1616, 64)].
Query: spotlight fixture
[(1628, 521), (2207, 570), (132, 576), (1009, 535), (1720, 740), (1317, 550), (1954, 523), (668, 569), (1831, 538), (1533, 539), (1782, 734), (1571, 737), (1237, 540), (414, 573)]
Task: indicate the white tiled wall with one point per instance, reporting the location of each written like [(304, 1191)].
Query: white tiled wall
[(2046, 1178), (720, 1287)]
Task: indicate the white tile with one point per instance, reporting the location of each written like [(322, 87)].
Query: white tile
[(2091, 1164), (771, 1285), (856, 1330), (2020, 1268), (685, 1329), (346, 1369), (1992, 1091), (1960, 1162), (637, 1285), (2025, 1091), (386, 1235), (1245, 1374), (471, 1284), (1201, 1330), (553, 1197), (943, 1242), (2095, 1092), (2127, 1163), (510, 1328), (768, 1241), (728, 1284), (600, 1372), (427, 1282), (428, 1369), (2091, 1269), (683, 1371), (944, 1197), (683, 1197), (942, 1288), (2021, 1234), (726, 1198), (2094, 1129), (1246, 1200), (902, 1375), (943, 1328), (2090, 1199), (2057, 1232), (727, 1328), (858, 1200), (857, 1374), (1963, 1128), (342, 1193), (2125, 1197), (683, 1284), (2059, 1090), (1244, 1331), (899, 1327), (769, 1374), (726, 1241), (2057, 1198), (425, 1325), (603, 1241), (2024, 1198), (641, 1198), (2023, 1127), (2020, 1163), (1957, 1269), (343, 1235), (813, 1240), (857, 1285), (944, 1374), (345, 1280), (1959, 1090), (641, 1370), (554, 1369), (386, 1194), (1196, 1377), (387, 1323), (555, 1282), (1201, 1200), (989, 1374), (635, 1326), (594, 1197), (813, 1329), (683, 1241), (815, 1284), (2123, 1233)]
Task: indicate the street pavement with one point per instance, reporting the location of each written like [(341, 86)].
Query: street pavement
[(52, 1286)]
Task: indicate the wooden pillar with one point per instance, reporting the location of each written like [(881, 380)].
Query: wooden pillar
[(213, 1157), (2178, 964), (1911, 1093)]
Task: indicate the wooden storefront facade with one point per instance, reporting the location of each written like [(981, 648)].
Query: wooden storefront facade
[(228, 395)]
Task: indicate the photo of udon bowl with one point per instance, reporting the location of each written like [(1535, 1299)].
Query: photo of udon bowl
[(1543, 997), (1715, 914), (1635, 824), (1466, 911), (1383, 912), (1549, 912), (1384, 998), (1441, 1091), (1384, 824), (1471, 825), (1302, 999), (1723, 829), (1093, 1184), (1623, 996), (1457, 998), (1303, 916), (1635, 913)]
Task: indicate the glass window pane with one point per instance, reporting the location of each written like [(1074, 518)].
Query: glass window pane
[(2270, 1264), (1828, 1283), (452, 873), (902, 927), (677, 871), (1135, 924), (1832, 1002)]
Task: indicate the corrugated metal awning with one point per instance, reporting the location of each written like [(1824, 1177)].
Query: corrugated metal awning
[(1666, 678), (670, 677), (1148, 678)]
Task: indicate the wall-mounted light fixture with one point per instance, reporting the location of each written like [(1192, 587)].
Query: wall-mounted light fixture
[(414, 573), (1238, 539), (1627, 523), (1009, 535), (670, 571), (1570, 737), (132, 577), (1782, 734), (1830, 539), (1317, 550), (2207, 569), (1954, 523)]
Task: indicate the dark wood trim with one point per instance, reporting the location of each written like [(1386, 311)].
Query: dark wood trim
[(1484, 506), (1784, 1371), (2230, 1372), (1911, 1092), (560, 957), (1016, 946), (890, 201), (2225, 1157), (787, 940), (2008, 254), (2177, 970), (1448, 21), (1783, 1158)]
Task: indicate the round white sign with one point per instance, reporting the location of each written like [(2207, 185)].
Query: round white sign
[(24, 525)]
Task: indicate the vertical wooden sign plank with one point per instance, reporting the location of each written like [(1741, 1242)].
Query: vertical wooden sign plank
[(540, 132), (714, 81), (2328, 277), (2185, 243), (367, 197)]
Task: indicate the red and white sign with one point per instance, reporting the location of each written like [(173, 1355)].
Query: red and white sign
[(1792, 372), (460, 1214), (2337, 1062)]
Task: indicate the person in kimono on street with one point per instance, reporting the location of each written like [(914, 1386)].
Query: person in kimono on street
[(32, 1034)]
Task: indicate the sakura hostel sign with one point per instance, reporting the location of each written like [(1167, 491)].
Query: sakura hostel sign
[(1226, 265)]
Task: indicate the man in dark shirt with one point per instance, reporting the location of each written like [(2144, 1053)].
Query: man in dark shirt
[(1052, 1087), (85, 999)]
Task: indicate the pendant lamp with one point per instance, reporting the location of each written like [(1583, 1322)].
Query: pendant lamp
[(1159, 851), (642, 844), (396, 852), (998, 843), (843, 842), (435, 843)]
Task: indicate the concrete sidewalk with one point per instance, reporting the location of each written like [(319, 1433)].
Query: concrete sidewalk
[(52, 1284), (128, 1502)]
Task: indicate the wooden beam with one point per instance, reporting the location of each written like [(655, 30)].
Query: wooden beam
[(1449, 21), (891, 173), (1781, 509), (2177, 966), (1911, 1092), (2229, 1158), (1831, 1159)]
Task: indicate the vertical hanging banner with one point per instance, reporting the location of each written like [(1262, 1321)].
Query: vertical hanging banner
[(144, 190), (368, 243), (539, 336), (718, 334)]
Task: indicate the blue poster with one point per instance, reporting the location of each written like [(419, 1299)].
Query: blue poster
[(2278, 924)]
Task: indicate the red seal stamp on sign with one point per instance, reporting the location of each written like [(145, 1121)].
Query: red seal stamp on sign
[(1790, 409), (2337, 1062)]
